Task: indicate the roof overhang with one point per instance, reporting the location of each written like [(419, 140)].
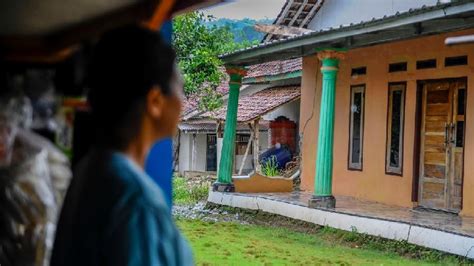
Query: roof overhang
[(425, 21), (49, 30)]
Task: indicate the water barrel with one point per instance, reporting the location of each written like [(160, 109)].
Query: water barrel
[(282, 155)]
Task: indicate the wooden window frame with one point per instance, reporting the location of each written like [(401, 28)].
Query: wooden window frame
[(350, 165), (391, 88), (242, 142)]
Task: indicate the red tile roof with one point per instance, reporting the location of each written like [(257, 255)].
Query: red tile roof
[(275, 68), (259, 104), (266, 69)]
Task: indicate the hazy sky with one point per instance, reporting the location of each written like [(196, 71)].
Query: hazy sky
[(239, 9)]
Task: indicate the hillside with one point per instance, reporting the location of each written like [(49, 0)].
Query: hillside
[(242, 29)]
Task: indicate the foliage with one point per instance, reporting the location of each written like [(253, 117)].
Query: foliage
[(268, 245), (198, 48), (270, 167), (188, 193)]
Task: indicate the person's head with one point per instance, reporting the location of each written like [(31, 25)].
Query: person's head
[(134, 86)]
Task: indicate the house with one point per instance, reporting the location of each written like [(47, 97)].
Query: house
[(271, 92), (386, 119), (385, 102)]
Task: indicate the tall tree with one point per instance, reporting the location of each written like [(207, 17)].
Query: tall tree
[(198, 47)]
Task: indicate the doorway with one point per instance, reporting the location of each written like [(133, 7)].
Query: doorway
[(442, 144), (211, 155)]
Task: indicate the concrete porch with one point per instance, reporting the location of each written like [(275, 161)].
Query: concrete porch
[(442, 231)]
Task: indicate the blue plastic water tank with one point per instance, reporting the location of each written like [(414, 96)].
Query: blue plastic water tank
[(281, 154)]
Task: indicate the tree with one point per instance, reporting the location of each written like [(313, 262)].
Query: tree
[(198, 48)]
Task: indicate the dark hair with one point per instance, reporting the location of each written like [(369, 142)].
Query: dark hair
[(127, 63)]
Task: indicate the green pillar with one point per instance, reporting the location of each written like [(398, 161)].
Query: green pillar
[(323, 197), (226, 164)]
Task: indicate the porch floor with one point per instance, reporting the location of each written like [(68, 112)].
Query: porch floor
[(432, 219), (443, 231)]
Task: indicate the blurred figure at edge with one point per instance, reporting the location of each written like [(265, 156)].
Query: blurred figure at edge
[(114, 214)]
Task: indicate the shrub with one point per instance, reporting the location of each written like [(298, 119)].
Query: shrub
[(270, 167)]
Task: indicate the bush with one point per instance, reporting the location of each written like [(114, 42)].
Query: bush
[(270, 167)]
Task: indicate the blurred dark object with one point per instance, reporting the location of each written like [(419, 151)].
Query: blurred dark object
[(83, 135)]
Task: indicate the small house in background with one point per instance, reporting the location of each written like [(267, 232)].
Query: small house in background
[(269, 99)]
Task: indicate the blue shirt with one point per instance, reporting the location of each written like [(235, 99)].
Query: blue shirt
[(114, 214)]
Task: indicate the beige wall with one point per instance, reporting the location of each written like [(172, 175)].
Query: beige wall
[(372, 183)]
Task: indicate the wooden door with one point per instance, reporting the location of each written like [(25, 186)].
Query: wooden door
[(442, 142)]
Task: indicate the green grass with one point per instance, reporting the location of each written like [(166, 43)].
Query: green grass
[(234, 244), (188, 193)]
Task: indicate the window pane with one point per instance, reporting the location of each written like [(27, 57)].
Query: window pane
[(461, 101), (356, 127), (395, 134), (460, 134)]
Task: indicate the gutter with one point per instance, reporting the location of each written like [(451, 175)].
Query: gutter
[(267, 79)]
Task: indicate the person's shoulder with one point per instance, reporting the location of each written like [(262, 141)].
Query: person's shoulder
[(144, 190)]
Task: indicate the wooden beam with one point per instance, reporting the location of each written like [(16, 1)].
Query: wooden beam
[(298, 12), (219, 131), (162, 13), (36, 47), (247, 150), (281, 17), (313, 10), (281, 30), (256, 145)]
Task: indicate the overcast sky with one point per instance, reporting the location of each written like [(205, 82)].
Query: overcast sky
[(239, 9)]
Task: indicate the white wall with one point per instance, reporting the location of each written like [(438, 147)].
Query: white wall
[(189, 160), (186, 155), (184, 149), (334, 13), (263, 141), (290, 110)]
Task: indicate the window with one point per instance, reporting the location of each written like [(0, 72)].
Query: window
[(359, 71), (397, 67), (356, 130), (455, 61), (395, 122), (460, 117), (424, 64)]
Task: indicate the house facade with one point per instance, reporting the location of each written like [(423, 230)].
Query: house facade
[(401, 129), (386, 111)]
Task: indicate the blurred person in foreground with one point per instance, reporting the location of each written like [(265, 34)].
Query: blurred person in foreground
[(114, 214)]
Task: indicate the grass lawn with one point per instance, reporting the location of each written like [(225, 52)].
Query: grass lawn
[(274, 240), (224, 243)]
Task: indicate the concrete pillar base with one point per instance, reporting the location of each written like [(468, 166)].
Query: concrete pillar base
[(327, 202), (222, 187)]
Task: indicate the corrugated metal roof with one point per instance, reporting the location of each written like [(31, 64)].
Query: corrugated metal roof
[(442, 18)]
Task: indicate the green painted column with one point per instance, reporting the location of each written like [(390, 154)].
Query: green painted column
[(226, 164), (323, 197)]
